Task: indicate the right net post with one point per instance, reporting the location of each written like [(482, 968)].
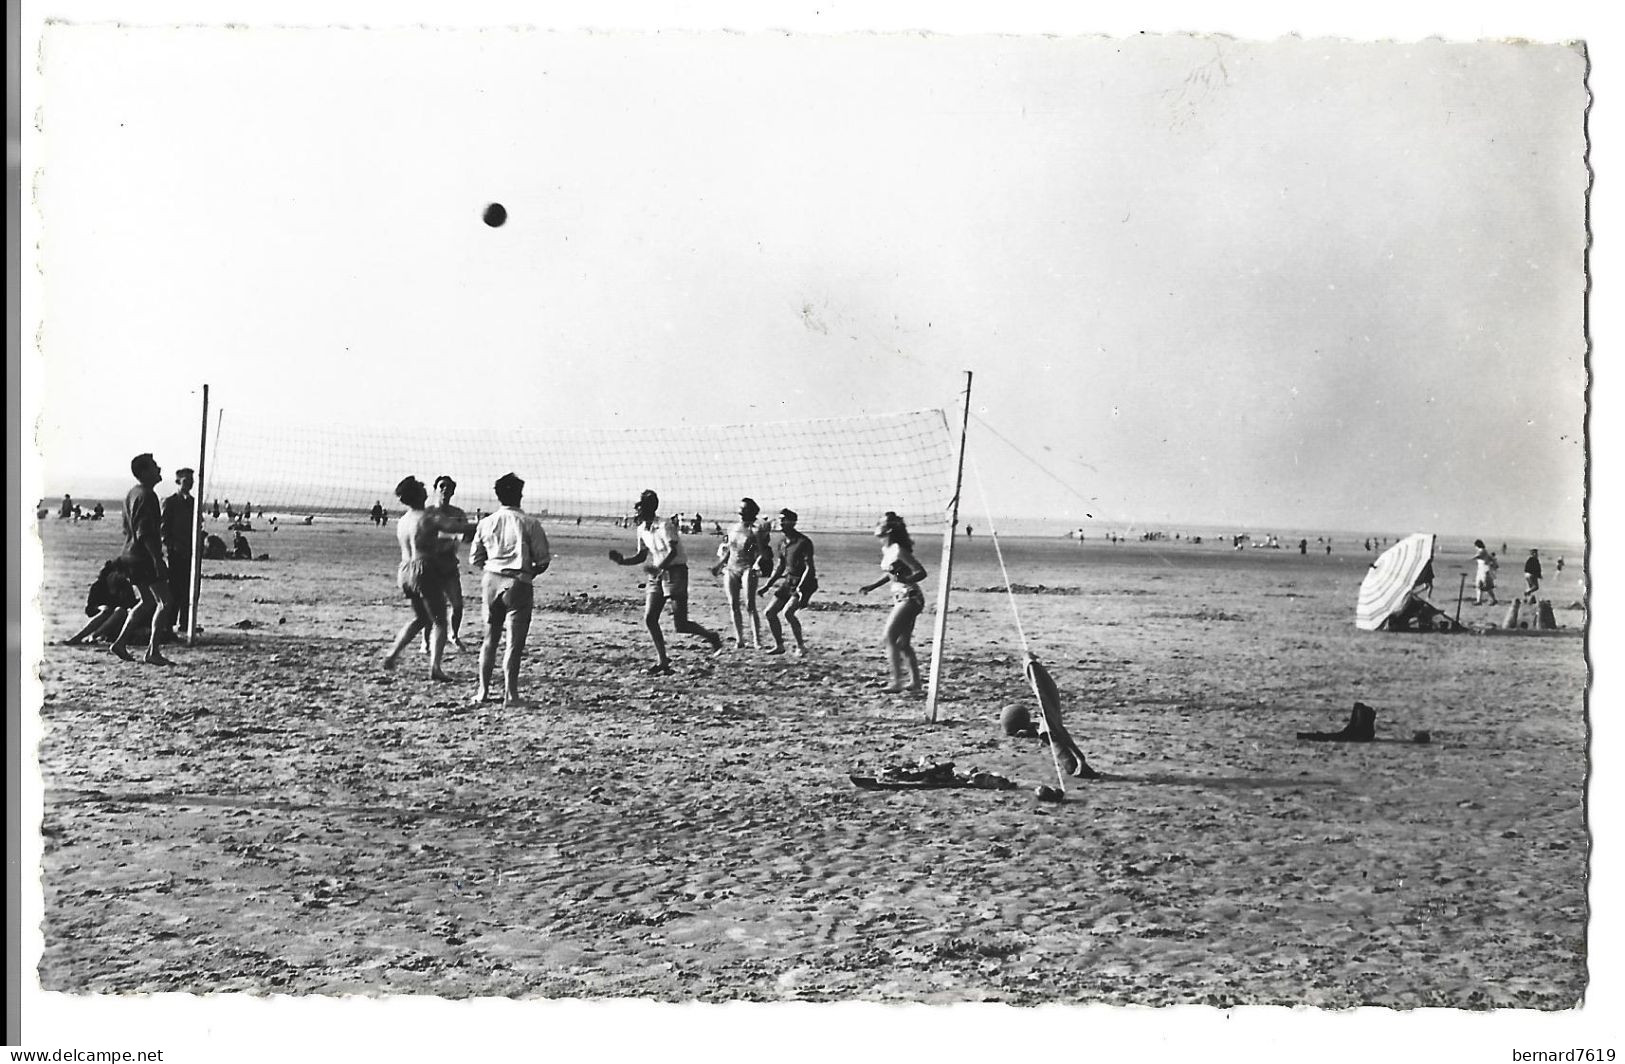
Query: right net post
[(194, 582), (945, 578)]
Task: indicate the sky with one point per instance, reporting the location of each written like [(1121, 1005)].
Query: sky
[(1301, 283)]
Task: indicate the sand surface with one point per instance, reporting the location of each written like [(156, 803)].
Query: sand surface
[(277, 814)]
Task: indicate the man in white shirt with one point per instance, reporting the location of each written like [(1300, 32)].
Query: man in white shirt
[(511, 547), (661, 553)]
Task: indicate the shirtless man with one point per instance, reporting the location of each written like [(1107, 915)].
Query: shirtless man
[(800, 581), (455, 530), (422, 576), (144, 562), (660, 552)]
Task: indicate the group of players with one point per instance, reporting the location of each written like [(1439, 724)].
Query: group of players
[(510, 548)]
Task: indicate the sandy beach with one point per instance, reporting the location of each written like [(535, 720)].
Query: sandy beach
[(278, 814)]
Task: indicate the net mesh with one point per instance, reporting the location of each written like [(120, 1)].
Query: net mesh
[(834, 472)]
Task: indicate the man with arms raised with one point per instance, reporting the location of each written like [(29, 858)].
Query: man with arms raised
[(143, 560), (455, 530), (511, 547), (422, 576)]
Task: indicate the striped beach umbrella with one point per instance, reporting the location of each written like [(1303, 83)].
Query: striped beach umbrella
[(1390, 579)]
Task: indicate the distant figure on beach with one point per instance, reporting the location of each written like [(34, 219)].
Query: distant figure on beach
[(1328, 546), (1484, 576), (248, 511), (744, 555), (1368, 544), (214, 548), (67, 508), (454, 531), (1303, 546), (143, 560), (903, 571), (98, 512), (216, 510), (240, 550), (969, 531), (800, 578), (180, 524), (378, 513), (698, 526), (421, 577), (511, 548), (660, 552), (1559, 565), (1531, 575)]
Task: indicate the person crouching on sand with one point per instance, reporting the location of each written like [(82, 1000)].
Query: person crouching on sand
[(800, 581), (904, 572), (660, 552), (422, 576)]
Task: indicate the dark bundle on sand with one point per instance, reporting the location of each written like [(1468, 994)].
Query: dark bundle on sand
[(925, 775), (1361, 728)]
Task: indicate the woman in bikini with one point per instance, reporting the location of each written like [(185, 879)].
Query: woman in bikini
[(904, 572)]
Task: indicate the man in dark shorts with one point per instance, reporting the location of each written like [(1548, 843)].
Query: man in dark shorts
[(660, 552), (511, 547), (180, 524), (800, 581), (454, 530), (143, 560), (1532, 576), (421, 577)]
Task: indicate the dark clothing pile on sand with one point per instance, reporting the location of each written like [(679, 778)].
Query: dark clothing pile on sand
[(925, 775)]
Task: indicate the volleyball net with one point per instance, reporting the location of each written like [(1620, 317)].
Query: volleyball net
[(834, 472)]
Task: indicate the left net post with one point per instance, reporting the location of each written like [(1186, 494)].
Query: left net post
[(195, 577)]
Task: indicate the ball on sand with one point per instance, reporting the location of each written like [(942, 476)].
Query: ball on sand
[(495, 215), (1015, 719), (1046, 793)]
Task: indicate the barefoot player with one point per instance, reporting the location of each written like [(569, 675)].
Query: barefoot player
[(454, 531), (903, 571), (660, 552), (422, 576), (745, 553), (511, 547), (144, 561), (800, 581)]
